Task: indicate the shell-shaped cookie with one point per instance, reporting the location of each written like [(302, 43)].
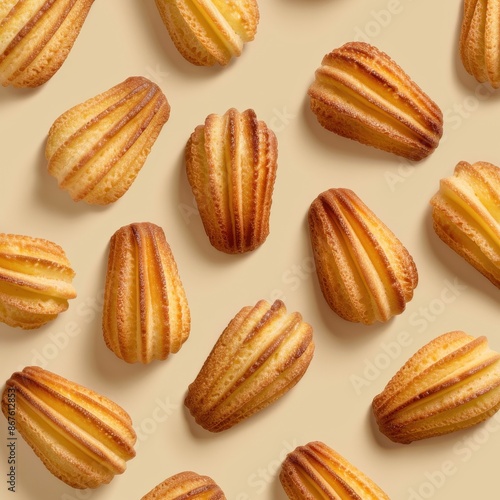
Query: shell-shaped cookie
[(96, 149), (145, 315), (261, 355), (231, 164), (207, 32), (35, 281), (186, 485), (480, 40), (360, 93), (466, 216), (82, 437), (316, 472), (451, 383), (36, 37), (365, 272)]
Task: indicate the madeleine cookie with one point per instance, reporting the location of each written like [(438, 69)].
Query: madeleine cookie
[(231, 164), (207, 32), (261, 355), (35, 281), (316, 472), (360, 93), (82, 438), (480, 40), (365, 272), (466, 216), (146, 314), (451, 383), (96, 149), (36, 37), (186, 485)]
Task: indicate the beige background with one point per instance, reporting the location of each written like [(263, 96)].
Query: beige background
[(125, 37)]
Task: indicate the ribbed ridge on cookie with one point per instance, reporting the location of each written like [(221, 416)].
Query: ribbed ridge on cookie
[(452, 383), (36, 37), (480, 40), (360, 93), (96, 149), (364, 271), (262, 354), (466, 216), (186, 485), (35, 281), (145, 314), (231, 164), (315, 471), (207, 32), (82, 437)]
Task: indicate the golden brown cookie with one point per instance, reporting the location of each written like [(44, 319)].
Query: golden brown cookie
[(365, 272), (480, 40), (145, 314), (207, 32), (35, 281), (451, 383), (466, 215), (261, 355), (96, 149), (36, 37), (316, 472), (231, 164), (82, 438), (360, 93), (186, 485)]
